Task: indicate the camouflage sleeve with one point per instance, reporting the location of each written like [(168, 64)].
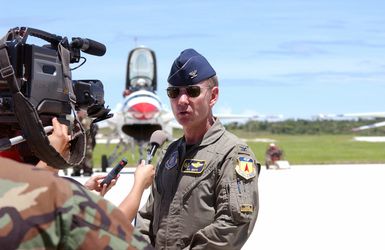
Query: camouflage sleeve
[(99, 220), (237, 203), (41, 211)]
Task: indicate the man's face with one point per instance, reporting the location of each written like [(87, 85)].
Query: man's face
[(189, 109)]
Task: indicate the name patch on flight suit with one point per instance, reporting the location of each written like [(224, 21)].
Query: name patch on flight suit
[(193, 166), (245, 167), (171, 162), (247, 208)]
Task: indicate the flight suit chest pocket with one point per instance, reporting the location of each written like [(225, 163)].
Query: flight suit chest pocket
[(241, 201)]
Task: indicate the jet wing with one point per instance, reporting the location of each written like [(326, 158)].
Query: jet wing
[(366, 115), (375, 125), (363, 115), (243, 117)]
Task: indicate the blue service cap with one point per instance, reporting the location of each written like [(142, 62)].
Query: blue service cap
[(190, 68)]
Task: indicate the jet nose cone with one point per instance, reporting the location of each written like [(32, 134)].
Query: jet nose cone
[(144, 111)]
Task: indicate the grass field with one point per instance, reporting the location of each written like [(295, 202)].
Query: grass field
[(325, 149), (298, 149)]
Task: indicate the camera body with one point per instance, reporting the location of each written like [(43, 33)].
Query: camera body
[(36, 85), (40, 78)]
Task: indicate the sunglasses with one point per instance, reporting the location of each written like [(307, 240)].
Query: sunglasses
[(191, 91)]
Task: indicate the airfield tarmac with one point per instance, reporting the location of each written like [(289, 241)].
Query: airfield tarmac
[(310, 207)]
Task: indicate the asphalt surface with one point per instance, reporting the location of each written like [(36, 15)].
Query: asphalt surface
[(311, 207)]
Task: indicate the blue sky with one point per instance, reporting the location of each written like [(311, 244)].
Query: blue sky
[(292, 57)]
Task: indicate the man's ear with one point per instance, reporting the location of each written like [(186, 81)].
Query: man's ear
[(214, 95)]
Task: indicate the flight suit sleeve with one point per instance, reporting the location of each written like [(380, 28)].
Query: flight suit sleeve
[(237, 203)]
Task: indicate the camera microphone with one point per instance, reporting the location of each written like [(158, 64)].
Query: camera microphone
[(89, 46), (114, 172), (157, 139)]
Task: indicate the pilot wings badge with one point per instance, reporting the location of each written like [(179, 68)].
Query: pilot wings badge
[(193, 166)]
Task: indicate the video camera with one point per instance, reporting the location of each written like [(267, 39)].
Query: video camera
[(36, 85)]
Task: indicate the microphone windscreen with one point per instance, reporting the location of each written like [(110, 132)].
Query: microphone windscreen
[(95, 48), (158, 137)]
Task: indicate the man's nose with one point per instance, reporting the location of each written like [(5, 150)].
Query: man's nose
[(183, 97)]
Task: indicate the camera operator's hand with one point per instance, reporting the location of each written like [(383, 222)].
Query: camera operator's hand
[(93, 183), (59, 139)]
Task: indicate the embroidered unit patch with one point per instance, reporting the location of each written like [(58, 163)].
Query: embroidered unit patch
[(171, 162), (193, 166), (245, 167)]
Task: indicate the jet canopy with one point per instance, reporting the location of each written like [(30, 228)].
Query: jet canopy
[(141, 70)]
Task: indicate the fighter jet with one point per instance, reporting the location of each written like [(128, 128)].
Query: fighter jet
[(141, 112)]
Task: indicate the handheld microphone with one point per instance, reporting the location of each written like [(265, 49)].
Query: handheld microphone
[(114, 172), (157, 139), (89, 46)]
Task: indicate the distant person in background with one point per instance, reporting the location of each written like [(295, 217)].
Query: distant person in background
[(205, 193), (273, 154), (86, 167)]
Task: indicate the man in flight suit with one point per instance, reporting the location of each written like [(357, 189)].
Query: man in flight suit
[(205, 193)]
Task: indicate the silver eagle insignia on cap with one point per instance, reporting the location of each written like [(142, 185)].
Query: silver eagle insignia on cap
[(193, 74)]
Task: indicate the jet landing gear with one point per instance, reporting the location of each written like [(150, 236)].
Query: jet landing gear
[(120, 149)]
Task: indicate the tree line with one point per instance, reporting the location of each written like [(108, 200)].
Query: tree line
[(310, 127)]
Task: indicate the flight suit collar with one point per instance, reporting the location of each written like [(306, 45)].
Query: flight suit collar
[(214, 133)]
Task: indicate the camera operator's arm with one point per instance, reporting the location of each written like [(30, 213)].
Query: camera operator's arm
[(59, 139), (144, 176)]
